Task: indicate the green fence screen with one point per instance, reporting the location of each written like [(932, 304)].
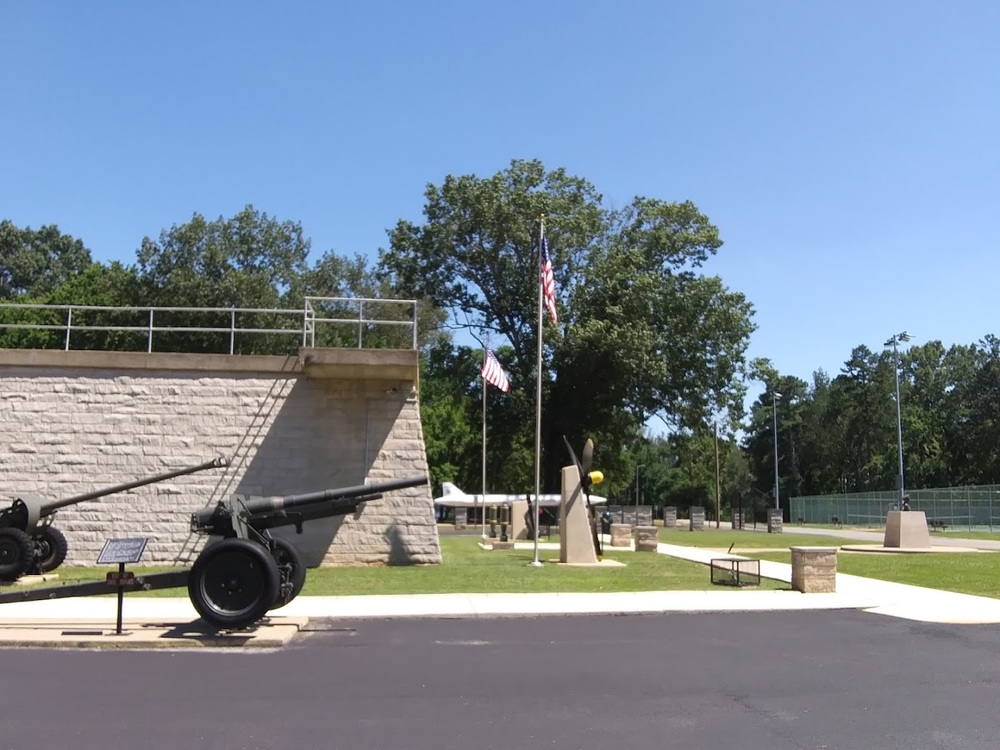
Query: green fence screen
[(973, 508)]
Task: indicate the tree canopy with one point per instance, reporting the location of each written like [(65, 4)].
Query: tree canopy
[(641, 332)]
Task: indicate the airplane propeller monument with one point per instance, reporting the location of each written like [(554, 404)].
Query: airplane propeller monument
[(576, 512)]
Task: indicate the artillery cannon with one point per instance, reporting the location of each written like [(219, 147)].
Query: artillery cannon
[(243, 572), (235, 581), (29, 543)]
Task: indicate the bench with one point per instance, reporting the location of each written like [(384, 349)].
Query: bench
[(936, 523), (836, 522), (801, 520)]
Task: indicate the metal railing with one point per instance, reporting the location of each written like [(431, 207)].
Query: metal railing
[(322, 321), (316, 308)]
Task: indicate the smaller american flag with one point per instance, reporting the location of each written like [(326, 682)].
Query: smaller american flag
[(494, 373), (548, 281)]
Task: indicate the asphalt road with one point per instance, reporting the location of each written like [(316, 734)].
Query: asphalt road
[(770, 681)]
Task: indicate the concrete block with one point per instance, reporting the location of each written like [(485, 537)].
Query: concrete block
[(645, 539), (907, 529), (621, 535), (814, 569)]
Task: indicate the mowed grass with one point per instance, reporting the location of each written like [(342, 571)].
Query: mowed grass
[(962, 572), (722, 538), (468, 569)]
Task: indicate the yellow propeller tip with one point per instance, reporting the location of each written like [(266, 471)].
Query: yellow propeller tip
[(596, 477)]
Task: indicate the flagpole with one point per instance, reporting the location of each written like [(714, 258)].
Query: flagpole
[(483, 496), (538, 389)]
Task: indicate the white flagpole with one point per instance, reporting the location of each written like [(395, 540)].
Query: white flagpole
[(538, 389), (483, 496)]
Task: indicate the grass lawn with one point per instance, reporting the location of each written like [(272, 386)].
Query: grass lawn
[(965, 573), (468, 569), (722, 538)]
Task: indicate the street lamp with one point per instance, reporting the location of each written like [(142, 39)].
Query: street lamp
[(774, 403), (898, 338)]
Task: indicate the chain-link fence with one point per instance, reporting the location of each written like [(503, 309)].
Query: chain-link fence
[(972, 508)]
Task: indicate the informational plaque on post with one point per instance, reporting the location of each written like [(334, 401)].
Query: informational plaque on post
[(122, 550)]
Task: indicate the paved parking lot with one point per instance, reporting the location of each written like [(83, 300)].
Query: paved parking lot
[(767, 681)]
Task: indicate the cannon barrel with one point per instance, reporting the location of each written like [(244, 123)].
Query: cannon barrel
[(267, 512), (48, 509), (290, 502)]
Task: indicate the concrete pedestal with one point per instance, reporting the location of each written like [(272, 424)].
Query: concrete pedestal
[(814, 569), (775, 522), (461, 518), (518, 527), (670, 517), (697, 515), (645, 539), (907, 528), (621, 535)]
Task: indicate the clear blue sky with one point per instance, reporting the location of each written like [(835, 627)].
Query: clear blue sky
[(849, 152)]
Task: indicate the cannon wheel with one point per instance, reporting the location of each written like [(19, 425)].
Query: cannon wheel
[(50, 548), (16, 553), (284, 553), (233, 583)]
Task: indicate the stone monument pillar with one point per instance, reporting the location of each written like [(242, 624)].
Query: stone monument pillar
[(697, 515), (576, 541), (518, 528), (907, 528), (775, 521)]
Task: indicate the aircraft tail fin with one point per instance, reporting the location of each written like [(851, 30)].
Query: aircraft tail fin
[(447, 488)]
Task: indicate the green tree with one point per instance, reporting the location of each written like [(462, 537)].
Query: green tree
[(641, 333), (350, 288), (249, 261), (33, 263)]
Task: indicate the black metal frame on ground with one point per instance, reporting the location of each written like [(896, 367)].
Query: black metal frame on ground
[(735, 571)]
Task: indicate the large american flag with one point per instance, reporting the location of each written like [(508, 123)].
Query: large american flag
[(493, 372), (548, 282)]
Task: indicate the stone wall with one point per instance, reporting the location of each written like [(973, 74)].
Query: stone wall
[(70, 429), (632, 516)]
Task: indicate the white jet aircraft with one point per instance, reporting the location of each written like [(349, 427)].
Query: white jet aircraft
[(453, 497)]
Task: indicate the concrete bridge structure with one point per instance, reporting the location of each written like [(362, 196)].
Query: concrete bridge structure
[(76, 421)]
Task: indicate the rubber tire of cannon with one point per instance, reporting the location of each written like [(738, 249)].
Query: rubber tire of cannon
[(285, 553), (227, 567), (51, 548), (17, 551)]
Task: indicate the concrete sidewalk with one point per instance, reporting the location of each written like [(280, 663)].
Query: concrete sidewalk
[(870, 594)]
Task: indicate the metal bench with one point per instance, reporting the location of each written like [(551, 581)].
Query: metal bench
[(836, 522), (936, 524)]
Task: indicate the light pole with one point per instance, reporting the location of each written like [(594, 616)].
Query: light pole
[(637, 467), (774, 403), (899, 337)]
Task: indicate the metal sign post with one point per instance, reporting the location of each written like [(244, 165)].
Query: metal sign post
[(121, 551)]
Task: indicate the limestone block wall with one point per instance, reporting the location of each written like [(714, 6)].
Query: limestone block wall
[(69, 430)]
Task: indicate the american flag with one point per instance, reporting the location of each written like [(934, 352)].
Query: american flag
[(493, 372), (548, 282)]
